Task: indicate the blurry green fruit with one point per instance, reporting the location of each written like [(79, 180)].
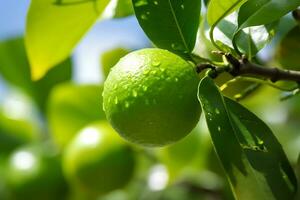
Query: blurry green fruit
[(183, 154), (110, 58), (15, 132), (150, 97), (71, 108), (35, 173), (97, 160)]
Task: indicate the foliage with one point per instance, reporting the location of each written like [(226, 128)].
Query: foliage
[(229, 43)]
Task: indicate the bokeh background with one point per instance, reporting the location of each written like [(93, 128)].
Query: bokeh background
[(38, 119)]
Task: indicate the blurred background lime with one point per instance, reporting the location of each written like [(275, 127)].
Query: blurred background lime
[(98, 160), (42, 120), (34, 172)]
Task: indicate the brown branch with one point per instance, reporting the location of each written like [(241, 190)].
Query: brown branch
[(244, 67)]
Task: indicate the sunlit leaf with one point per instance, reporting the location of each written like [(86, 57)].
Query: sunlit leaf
[(71, 107), (123, 8), (258, 12), (110, 58), (170, 24), (54, 28), (249, 41), (253, 159), (14, 68), (219, 9)]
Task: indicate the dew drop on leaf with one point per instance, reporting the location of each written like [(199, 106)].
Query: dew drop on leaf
[(144, 17), (141, 3), (260, 142), (177, 47)]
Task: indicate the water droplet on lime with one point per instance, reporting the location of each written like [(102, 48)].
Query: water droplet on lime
[(155, 63)]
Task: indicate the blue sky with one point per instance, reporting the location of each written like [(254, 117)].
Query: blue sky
[(103, 36)]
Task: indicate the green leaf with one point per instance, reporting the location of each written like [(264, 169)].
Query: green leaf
[(288, 50), (123, 8), (71, 107), (206, 2), (110, 58), (54, 28), (14, 68), (258, 12), (219, 9), (118, 9), (252, 157), (249, 41), (170, 24)]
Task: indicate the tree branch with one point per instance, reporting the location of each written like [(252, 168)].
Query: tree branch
[(244, 67)]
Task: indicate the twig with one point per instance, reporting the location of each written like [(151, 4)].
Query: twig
[(244, 67)]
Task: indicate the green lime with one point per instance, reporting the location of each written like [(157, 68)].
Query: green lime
[(16, 132), (150, 97), (34, 172), (72, 107), (97, 160)]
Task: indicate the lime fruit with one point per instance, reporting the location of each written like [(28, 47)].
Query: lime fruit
[(150, 97), (34, 172), (185, 154), (68, 114), (16, 132), (97, 160)]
